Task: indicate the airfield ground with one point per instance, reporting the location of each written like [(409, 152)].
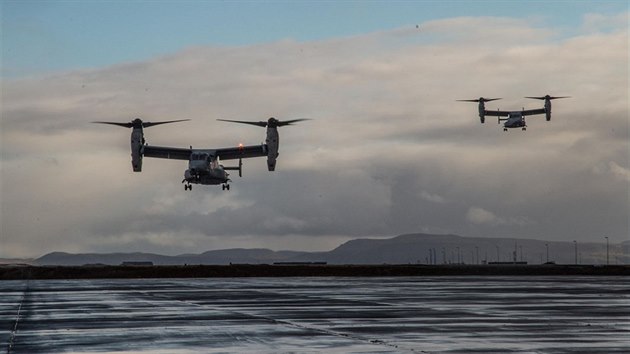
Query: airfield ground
[(16, 272), (254, 315)]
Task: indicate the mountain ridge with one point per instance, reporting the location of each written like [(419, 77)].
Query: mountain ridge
[(402, 249)]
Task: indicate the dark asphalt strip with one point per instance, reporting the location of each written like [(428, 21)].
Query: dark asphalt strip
[(17, 321), (295, 325)]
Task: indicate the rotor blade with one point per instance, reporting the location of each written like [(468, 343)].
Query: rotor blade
[(124, 125), (138, 122), (259, 124), (547, 97), (150, 124), (289, 122), (480, 99)]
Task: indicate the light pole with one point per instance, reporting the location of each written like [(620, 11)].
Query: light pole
[(576, 260), (514, 253), (547, 246), (606, 237)]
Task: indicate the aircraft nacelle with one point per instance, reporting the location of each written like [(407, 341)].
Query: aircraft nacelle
[(273, 144), (482, 111), (482, 106), (137, 140), (548, 109)]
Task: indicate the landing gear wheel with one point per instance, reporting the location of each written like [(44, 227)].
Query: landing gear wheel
[(187, 187), (504, 129), (524, 128), (226, 186)]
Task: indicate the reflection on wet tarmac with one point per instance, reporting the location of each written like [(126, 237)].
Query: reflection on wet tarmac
[(312, 315)]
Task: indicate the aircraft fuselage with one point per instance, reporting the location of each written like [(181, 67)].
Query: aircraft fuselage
[(204, 168), (514, 120)]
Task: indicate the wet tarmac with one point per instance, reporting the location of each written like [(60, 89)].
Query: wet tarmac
[(318, 315)]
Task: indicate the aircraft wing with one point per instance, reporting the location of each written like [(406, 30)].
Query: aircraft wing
[(241, 152), (162, 152), (531, 112), (497, 113)]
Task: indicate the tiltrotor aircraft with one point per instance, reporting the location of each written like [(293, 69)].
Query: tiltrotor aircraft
[(204, 165), (514, 119)]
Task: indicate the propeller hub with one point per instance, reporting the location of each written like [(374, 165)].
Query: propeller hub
[(272, 122), (137, 123)]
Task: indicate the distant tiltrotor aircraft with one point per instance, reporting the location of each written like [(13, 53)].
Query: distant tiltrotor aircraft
[(514, 119)]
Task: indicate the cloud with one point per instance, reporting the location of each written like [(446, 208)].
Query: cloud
[(480, 216), (432, 197), (619, 172), (388, 150), (613, 169), (595, 22)]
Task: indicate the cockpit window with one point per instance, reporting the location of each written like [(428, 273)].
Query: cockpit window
[(199, 156)]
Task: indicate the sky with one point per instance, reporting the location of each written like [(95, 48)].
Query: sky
[(388, 150)]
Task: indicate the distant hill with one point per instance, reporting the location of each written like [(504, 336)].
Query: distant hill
[(16, 261), (242, 255), (427, 248), (237, 255), (404, 249), (62, 258)]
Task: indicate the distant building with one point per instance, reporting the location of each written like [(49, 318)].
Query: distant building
[(299, 263), (506, 263), (137, 263)]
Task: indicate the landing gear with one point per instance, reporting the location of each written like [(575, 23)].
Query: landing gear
[(226, 186), (187, 187), (523, 128), (504, 129)]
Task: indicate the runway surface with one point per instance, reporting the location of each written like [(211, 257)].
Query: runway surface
[(313, 315)]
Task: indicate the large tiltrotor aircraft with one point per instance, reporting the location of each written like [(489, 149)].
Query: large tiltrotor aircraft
[(204, 165)]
